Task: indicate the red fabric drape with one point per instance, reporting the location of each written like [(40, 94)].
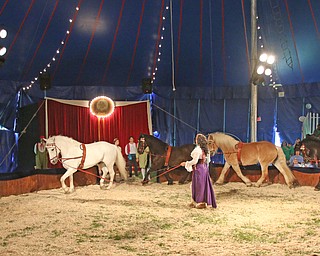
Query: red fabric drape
[(81, 125)]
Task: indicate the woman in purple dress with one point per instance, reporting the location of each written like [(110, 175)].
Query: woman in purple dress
[(201, 187)]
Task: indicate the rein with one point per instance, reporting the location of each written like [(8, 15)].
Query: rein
[(168, 170), (81, 170)]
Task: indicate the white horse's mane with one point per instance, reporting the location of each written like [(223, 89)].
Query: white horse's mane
[(65, 138)]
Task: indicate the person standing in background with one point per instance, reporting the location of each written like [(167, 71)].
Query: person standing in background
[(116, 171), (316, 132), (143, 156), (41, 154), (287, 150), (131, 151)]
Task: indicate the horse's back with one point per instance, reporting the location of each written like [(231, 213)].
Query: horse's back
[(181, 153), (254, 152), (101, 150)]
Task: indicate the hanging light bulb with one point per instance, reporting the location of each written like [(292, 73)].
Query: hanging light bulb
[(3, 33), (260, 70), (263, 57), (271, 59), (3, 50), (268, 72)]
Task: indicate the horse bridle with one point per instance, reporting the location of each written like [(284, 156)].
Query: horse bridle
[(56, 148)]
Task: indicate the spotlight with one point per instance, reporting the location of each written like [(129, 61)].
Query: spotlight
[(268, 72), (271, 59), (3, 33), (263, 57), (260, 70), (3, 50)]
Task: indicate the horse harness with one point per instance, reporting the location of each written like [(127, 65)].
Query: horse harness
[(238, 148), (83, 157), (166, 163), (84, 154)]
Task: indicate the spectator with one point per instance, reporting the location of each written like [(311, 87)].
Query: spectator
[(287, 150), (295, 163), (297, 157), (316, 132), (297, 144), (131, 151)]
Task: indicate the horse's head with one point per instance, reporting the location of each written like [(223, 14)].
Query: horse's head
[(53, 150), (212, 146), (158, 150)]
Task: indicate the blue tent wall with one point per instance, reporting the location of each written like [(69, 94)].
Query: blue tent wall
[(179, 115)]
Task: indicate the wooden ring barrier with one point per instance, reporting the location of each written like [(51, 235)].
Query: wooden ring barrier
[(38, 180), (305, 176), (43, 180)]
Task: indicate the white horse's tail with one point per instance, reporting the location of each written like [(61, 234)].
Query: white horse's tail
[(121, 164)]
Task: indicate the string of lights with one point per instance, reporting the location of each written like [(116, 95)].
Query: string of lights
[(158, 53), (53, 59), (266, 61), (3, 49)]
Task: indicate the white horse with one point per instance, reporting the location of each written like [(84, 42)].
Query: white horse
[(76, 155)]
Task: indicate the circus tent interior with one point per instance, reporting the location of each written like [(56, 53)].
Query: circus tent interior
[(188, 62)]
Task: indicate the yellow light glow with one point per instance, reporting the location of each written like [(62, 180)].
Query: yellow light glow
[(102, 106)]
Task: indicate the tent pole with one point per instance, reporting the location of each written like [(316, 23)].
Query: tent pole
[(46, 118), (254, 88)]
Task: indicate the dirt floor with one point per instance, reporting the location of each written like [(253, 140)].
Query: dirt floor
[(155, 219)]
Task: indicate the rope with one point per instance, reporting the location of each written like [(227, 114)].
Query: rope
[(169, 170), (172, 49), (23, 132), (81, 170)]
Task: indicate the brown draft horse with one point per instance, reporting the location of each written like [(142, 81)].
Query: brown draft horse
[(262, 152)]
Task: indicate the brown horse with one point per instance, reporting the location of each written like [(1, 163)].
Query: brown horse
[(262, 152), (163, 156)]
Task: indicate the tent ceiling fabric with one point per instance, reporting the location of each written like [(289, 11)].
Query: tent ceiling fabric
[(117, 43)]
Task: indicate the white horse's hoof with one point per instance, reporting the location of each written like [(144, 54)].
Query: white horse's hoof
[(249, 184), (103, 187)]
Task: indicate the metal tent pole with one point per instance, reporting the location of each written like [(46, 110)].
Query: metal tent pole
[(254, 88)]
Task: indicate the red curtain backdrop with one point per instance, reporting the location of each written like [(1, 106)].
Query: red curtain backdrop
[(81, 125)]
